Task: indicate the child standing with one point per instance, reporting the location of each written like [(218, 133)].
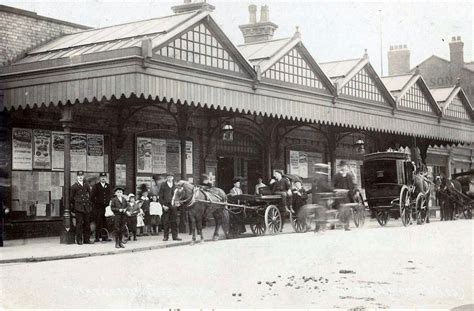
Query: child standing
[(118, 205), (133, 209), (146, 210), (156, 210)]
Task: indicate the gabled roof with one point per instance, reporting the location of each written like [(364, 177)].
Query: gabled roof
[(261, 53), (267, 53), (338, 70), (445, 96), (432, 57), (112, 37), (341, 72), (469, 66), (399, 85)]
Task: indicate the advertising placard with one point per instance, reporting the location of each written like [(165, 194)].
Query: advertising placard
[(22, 146), (42, 149)]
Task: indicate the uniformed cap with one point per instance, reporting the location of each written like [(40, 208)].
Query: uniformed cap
[(118, 188), (103, 175), (80, 173), (169, 174)]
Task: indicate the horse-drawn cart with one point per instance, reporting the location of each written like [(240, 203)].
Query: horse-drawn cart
[(393, 188), (261, 212), (460, 191)]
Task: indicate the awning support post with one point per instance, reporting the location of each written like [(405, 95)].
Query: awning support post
[(67, 232)]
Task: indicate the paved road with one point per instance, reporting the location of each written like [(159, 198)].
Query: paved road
[(426, 266)]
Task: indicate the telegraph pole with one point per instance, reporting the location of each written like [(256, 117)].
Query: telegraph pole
[(381, 50)]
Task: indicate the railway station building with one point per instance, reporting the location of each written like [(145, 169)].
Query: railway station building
[(175, 94)]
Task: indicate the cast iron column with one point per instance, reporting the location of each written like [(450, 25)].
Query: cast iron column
[(67, 233)]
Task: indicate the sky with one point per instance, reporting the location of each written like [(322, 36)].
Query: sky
[(331, 30)]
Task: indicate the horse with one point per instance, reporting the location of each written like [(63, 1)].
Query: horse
[(192, 198)]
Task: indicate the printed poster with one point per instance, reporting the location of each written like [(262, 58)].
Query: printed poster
[(95, 153), (294, 162), (42, 149), (303, 163), (4, 149), (173, 160), (57, 151), (22, 146), (144, 155), (159, 156), (121, 175), (78, 152), (189, 157), (140, 180)]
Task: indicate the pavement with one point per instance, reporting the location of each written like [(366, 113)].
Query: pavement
[(47, 249)]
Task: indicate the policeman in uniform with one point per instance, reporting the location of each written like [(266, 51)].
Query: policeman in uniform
[(100, 197), (81, 205)]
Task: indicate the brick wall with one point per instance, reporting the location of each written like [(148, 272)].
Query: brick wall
[(22, 30)]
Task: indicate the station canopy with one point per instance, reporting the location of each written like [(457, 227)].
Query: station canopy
[(187, 58)]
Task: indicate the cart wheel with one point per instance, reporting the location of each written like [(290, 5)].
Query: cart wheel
[(273, 219), (404, 203), (359, 211), (299, 224), (421, 209), (382, 217), (258, 229)]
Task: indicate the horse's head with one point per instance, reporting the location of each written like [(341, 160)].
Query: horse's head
[(183, 192)]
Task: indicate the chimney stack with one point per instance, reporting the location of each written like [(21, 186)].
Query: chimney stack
[(264, 14), (190, 6), (258, 31), (252, 14), (398, 60), (456, 49)]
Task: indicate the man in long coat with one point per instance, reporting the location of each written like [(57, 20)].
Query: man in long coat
[(100, 198), (170, 212), (81, 206)]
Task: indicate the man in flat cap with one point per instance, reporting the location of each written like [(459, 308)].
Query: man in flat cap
[(100, 197), (170, 212), (81, 205)]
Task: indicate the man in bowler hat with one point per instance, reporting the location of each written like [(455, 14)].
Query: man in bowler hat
[(170, 212), (81, 205), (100, 197)]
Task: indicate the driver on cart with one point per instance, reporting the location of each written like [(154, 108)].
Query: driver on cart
[(281, 186), (343, 179)]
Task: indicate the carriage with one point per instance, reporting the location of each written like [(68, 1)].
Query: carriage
[(393, 188)]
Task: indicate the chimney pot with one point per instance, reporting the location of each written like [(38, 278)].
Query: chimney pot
[(264, 14), (252, 14), (459, 38), (398, 60), (405, 46), (453, 39)]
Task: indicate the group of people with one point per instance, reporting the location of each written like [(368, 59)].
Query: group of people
[(145, 213)]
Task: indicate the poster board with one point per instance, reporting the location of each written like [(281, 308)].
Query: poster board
[(22, 146), (78, 152), (144, 155), (95, 153), (121, 175), (158, 155), (57, 151), (41, 149)]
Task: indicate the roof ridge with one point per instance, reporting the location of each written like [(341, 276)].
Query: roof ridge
[(266, 41), (399, 75), (128, 23), (338, 61)]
